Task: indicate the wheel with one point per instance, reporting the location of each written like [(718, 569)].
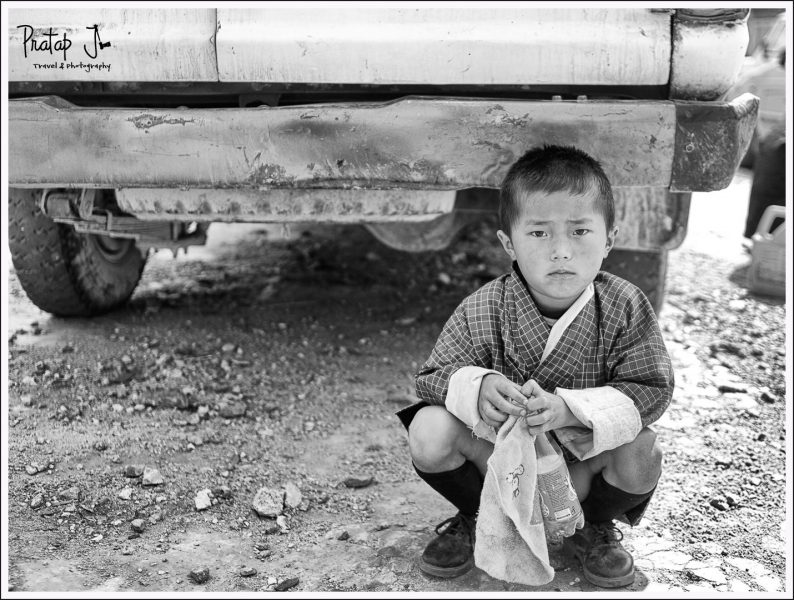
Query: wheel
[(63, 272), (645, 269)]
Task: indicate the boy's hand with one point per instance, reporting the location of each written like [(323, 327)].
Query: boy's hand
[(499, 398), (546, 411)]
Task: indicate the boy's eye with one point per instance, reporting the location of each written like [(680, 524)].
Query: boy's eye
[(581, 231), (537, 233)]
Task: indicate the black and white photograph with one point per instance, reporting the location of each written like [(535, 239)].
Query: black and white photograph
[(396, 298)]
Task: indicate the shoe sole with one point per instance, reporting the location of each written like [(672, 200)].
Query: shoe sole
[(446, 572), (604, 582), (608, 582)]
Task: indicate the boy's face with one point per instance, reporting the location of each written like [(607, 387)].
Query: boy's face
[(559, 242)]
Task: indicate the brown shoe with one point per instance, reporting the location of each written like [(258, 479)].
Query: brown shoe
[(451, 553), (604, 560)]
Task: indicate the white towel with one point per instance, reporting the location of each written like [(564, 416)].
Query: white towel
[(510, 536)]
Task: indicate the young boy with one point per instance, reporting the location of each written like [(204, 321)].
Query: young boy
[(574, 350)]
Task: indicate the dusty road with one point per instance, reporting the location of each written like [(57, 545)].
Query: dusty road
[(261, 362)]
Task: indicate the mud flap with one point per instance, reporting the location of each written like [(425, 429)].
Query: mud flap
[(644, 268)]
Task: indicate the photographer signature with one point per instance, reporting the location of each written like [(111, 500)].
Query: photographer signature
[(49, 41)]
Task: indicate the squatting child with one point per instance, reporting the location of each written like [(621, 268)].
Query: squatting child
[(574, 350)]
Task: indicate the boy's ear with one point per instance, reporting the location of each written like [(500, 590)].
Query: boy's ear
[(611, 237), (506, 244)]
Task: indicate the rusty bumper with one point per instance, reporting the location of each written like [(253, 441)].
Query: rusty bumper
[(413, 143)]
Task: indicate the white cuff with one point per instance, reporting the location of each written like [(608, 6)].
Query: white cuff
[(462, 395), (609, 416)]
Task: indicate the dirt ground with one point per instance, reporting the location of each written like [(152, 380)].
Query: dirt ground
[(264, 362)]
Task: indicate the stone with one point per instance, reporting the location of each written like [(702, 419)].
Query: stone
[(247, 572), (713, 574), (293, 495), (269, 502), (768, 397), (281, 521), (769, 583), (740, 587), (37, 501), (203, 500), (125, 493), (287, 584), (101, 445), (345, 535), (133, 470), (227, 347), (138, 525), (717, 504), (232, 409), (72, 493), (389, 551), (754, 568), (358, 482), (199, 575), (223, 491), (723, 461), (151, 476)]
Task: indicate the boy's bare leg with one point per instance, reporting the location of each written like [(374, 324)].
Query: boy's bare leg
[(439, 442), (453, 462), (634, 467)]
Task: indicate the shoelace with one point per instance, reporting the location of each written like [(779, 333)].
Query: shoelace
[(460, 524), (606, 533)]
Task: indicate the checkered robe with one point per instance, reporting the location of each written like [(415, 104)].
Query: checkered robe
[(615, 340)]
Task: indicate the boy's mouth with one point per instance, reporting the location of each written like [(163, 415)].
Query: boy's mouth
[(562, 272)]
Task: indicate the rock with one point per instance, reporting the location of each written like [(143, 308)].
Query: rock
[(155, 517), (731, 387), (72, 493), (138, 525), (731, 500), (672, 560), (271, 529), (713, 574), (247, 572), (717, 504), (444, 279), (227, 347), (151, 476), (281, 521), (199, 575), (126, 493), (723, 461), (358, 482), (101, 445), (203, 500), (232, 409), (754, 481), (345, 535), (768, 397), (293, 495), (269, 502), (728, 347), (133, 470), (389, 551), (287, 584), (37, 501)]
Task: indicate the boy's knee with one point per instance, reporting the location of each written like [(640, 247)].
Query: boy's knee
[(432, 438), (640, 460)]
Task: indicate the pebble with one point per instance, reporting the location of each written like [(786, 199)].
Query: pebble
[(444, 278), (293, 496), (713, 574), (117, 408), (133, 470), (345, 535), (730, 387), (125, 493), (724, 461), (768, 397), (199, 575), (717, 504), (101, 445), (232, 409), (287, 584), (72, 493), (151, 476), (247, 572), (227, 348), (37, 501), (358, 482), (138, 525), (269, 502), (203, 499), (281, 521)]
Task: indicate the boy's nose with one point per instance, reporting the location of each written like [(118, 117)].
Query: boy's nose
[(561, 250)]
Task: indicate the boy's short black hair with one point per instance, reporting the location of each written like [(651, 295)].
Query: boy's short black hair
[(552, 169)]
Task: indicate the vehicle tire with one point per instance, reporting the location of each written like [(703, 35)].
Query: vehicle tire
[(645, 269), (63, 272)]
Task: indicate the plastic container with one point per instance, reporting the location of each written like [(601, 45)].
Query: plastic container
[(562, 513), (767, 273)]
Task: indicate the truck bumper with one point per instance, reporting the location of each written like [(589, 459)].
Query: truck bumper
[(414, 143)]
